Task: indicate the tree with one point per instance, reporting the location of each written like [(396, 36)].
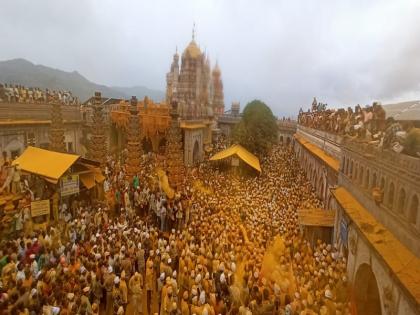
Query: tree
[(257, 131)]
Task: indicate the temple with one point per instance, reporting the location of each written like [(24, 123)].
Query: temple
[(196, 92)]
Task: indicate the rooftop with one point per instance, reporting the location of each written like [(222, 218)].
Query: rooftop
[(403, 111), (329, 160), (403, 263)]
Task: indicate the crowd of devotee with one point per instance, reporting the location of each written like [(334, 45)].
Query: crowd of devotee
[(225, 244), (20, 94), (367, 123)]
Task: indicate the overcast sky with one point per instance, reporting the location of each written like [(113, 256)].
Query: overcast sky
[(282, 52)]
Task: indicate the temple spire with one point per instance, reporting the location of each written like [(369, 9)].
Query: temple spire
[(56, 131), (193, 32), (97, 143)]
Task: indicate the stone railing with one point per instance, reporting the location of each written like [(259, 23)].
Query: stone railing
[(328, 142), (333, 138), (403, 161), (228, 118), (287, 124)]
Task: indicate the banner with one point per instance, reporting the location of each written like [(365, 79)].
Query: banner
[(344, 231), (69, 185), (41, 207), (235, 161)]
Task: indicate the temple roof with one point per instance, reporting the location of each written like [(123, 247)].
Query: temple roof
[(192, 49), (216, 68)]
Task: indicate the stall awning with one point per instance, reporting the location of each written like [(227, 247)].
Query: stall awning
[(99, 177), (49, 164), (329, 160), (316, 217), (88, 179), (240, 152)]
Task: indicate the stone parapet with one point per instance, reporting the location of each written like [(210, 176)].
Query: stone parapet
[(36, 112), (285, 124), (229, 119), (403, 164), (330, 143)]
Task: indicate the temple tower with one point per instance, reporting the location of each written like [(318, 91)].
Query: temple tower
[(191, 89), (218, 103), (193, 82), (175, 153), (97, 144), (172, 80), (134, 150), (56, 132)]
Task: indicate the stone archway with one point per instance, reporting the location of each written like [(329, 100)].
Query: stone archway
[(196, 153), (288, 141), (162, 145), (368, 301), (147, 145), (281, 139)]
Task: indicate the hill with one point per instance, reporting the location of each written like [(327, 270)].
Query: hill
[(23, 72)]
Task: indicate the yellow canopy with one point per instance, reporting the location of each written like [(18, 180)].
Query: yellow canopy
[(88, 179), (240, 152), (316, 217), (164, 184), (49, 164), (98, 177), (329, 160)]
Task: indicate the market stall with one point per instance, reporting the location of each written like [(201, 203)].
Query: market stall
[(235, 153), (48, 178), (316, 224)]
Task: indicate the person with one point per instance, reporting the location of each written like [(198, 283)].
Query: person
[(185, 309), (117, 297), (179, 215), (84, 300), (150, 278), (123, 289), (140, 259), (162, 217), (136, 288), (109, 286), (9, 171), (16, 187)]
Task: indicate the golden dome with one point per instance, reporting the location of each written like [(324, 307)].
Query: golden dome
[(192, 50)]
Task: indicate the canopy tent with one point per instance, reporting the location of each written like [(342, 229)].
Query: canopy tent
[(51, 165), (241, 153), (48, 164), (97, 174), (316, 217), (88, 179)]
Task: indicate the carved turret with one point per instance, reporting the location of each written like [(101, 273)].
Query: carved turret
[(218, 103), (174, 153), (56, 132), (134, 150), (97, 144)]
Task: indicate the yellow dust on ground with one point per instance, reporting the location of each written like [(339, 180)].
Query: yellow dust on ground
[(199, 185), (273, 270)]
